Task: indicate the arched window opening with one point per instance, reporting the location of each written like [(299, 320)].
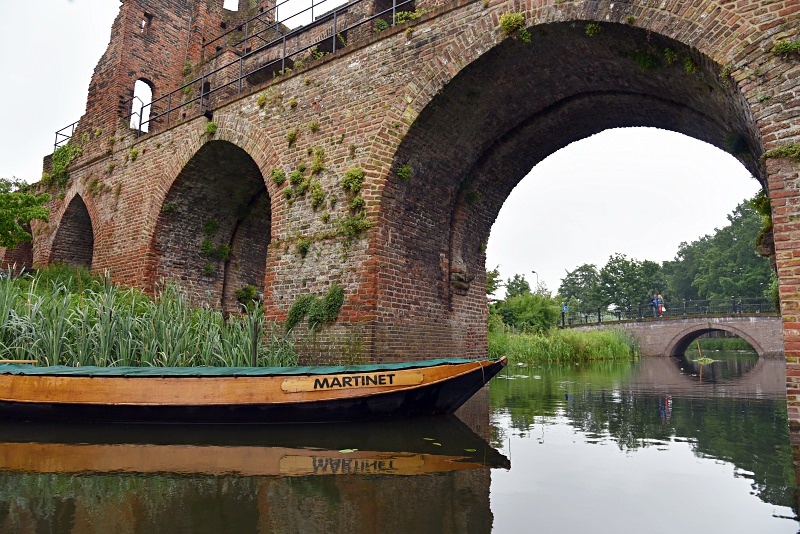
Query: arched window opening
[(140, 109), (147, 21)]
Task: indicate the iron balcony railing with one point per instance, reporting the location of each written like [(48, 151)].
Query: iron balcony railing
[(271, 37), (678, 308)]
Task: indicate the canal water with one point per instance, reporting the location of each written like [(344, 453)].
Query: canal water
[(653, 445)]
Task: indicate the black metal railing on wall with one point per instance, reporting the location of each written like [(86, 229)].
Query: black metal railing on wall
[(672, 309), (262, 44)]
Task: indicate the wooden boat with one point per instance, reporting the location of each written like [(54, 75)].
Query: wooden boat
[(400, 448), (242, 394)]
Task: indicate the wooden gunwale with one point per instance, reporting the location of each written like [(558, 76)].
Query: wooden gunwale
[(199, 390)]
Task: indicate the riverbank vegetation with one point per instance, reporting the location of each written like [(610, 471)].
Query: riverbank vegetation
[(65, 316), (524, 324)]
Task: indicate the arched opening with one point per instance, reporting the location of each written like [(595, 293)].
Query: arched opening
[(74, 240), (140, 107), (715, 354), (507, 111), (214, 228)]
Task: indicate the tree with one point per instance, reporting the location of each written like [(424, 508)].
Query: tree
[(493, 282), (724, 264), (580, 287), (626, 283), (517, 286), (18, 208), (530, 312)]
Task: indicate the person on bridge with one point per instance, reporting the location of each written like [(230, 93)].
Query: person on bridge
[(661, 308), (654, 304)]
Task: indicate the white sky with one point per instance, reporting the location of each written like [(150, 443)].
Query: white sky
[(639, 192)]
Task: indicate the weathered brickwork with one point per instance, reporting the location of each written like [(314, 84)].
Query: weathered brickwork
[(445, 115)]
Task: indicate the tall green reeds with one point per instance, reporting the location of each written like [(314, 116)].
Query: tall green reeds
[(68, 318), (561, 345)]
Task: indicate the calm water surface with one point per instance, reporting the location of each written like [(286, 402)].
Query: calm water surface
[(651, 446)]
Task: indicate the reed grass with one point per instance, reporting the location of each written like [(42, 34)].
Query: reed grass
[(64, 316), (562, 345)]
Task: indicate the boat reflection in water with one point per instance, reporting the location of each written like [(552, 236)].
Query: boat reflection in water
[(420, 475), (387, 448)]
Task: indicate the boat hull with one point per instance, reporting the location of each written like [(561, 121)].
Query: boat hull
[(241, 400)]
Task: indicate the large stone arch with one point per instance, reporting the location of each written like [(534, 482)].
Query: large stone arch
[(73, 243), (507, 110), (679, 343), (214, 226)]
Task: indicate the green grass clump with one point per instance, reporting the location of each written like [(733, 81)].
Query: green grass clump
[(65, 316), (562, 345)]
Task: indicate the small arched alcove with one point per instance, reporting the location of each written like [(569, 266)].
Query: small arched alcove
[(74, 240)]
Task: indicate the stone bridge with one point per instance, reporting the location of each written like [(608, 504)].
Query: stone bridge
[(672, 336), (380, 163)]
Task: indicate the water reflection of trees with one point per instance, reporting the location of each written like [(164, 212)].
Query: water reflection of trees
[(750, 433)]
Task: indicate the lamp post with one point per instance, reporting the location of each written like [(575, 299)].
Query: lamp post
[(537, 280)]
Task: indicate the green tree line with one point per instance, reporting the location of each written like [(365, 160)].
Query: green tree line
[(719, 265)]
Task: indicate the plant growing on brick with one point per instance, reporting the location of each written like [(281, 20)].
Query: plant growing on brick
[(592, 29), (293, 103), (785, 48), (690, 66), (646, 61), (169, 207), (134, 153), (380, 25), (303, 244), (207, 248), (208, 269), (291, 136), (261, 101), (670, 56), (313, 126), (278, 176), (246, 295), (210, 226), (356, 204), (295, 177), (318, 163), (789, 150), (352, 226), (317, 195), (319, 311), (353, 180), (211, 128), (404, 172), (513, 25), (62, 158)]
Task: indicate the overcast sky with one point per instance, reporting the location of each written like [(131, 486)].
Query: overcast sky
[(640, 192)]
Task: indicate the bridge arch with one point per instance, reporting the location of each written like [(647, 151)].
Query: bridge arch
[(679, 343), (513, 106), (73, 243), (214, 226)]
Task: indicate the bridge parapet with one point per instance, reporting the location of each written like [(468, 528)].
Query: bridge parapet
[(672, 336)]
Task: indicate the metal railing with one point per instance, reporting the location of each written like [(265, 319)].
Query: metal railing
[(675, 309), (247, 65)]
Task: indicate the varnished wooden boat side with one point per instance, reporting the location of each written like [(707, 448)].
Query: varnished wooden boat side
[(240, 399)]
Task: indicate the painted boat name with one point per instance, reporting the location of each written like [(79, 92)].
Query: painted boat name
[(351, 381)]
